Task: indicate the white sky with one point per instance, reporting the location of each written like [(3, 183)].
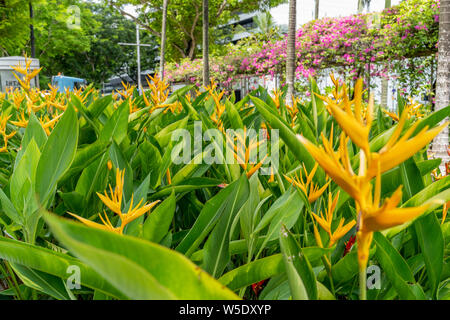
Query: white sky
[(328, 8), (305, 9)]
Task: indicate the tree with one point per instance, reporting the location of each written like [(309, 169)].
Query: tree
[(163, 39), (440, 143), (264, 23), (291, 59), (384, 81), (14, 20), (32, 39), (206, 43), (184, 20), (316, 9)]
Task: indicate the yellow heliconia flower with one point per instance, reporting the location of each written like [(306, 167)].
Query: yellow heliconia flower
[(352, 121), (48, 123), (444, 211), (277, 97), (244, 153), (413, 109), (6, 136), (397, 150), (371, 216), (294, 110), (309, 188), (219, 108), (159, 92), (337, 90), (127, 91), (21, 121), (375, 217), (114, 202), (212, 86), (325, 221), (27, 74)]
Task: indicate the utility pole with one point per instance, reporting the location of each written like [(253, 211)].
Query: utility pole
[(138, 48), (138, 45)]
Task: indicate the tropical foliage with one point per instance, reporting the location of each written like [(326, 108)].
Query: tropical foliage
[(90, 187)]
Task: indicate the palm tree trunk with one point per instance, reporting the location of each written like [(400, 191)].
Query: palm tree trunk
[(291, 59), (32, 39), (205, 43), (163, 40), (316, 9), (440, 143), (384, 81)]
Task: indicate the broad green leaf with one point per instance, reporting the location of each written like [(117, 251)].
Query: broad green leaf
[(302, 280), (217, 253), (57, 155), (41, 281), (53, 263), (285, 210), (289, 137), (34, 131), (208, 217), (431, 243), (117, 125), (138, 268), (84, 157), (158, 222), (396, 269)]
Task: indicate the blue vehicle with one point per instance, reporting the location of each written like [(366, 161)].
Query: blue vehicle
[(63, 83)]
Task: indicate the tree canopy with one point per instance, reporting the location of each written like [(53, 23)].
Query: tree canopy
[(184, 20), (75, 37)]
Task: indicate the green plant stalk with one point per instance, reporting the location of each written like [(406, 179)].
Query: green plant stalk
[(14, 284), (280, 183), (327, 265), (362, 284)]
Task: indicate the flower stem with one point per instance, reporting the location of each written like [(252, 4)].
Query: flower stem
[(362, 284)]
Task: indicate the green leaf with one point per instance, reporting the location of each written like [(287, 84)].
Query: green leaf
[(9, 209), (41, 281), (432, 244), (34, 131), (302, 280), (98, 106), (138, 268), (396, 269), (117, 125), (433, 195), (217, 253), (23, 179), (208, 217), (53, 263), (289, 137), (285, 210), (158, 222), (253, 272), (57, 155), (233, 116), (164, 136), (84, 157)]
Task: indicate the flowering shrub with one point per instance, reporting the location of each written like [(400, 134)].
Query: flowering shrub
[(358, 45)]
